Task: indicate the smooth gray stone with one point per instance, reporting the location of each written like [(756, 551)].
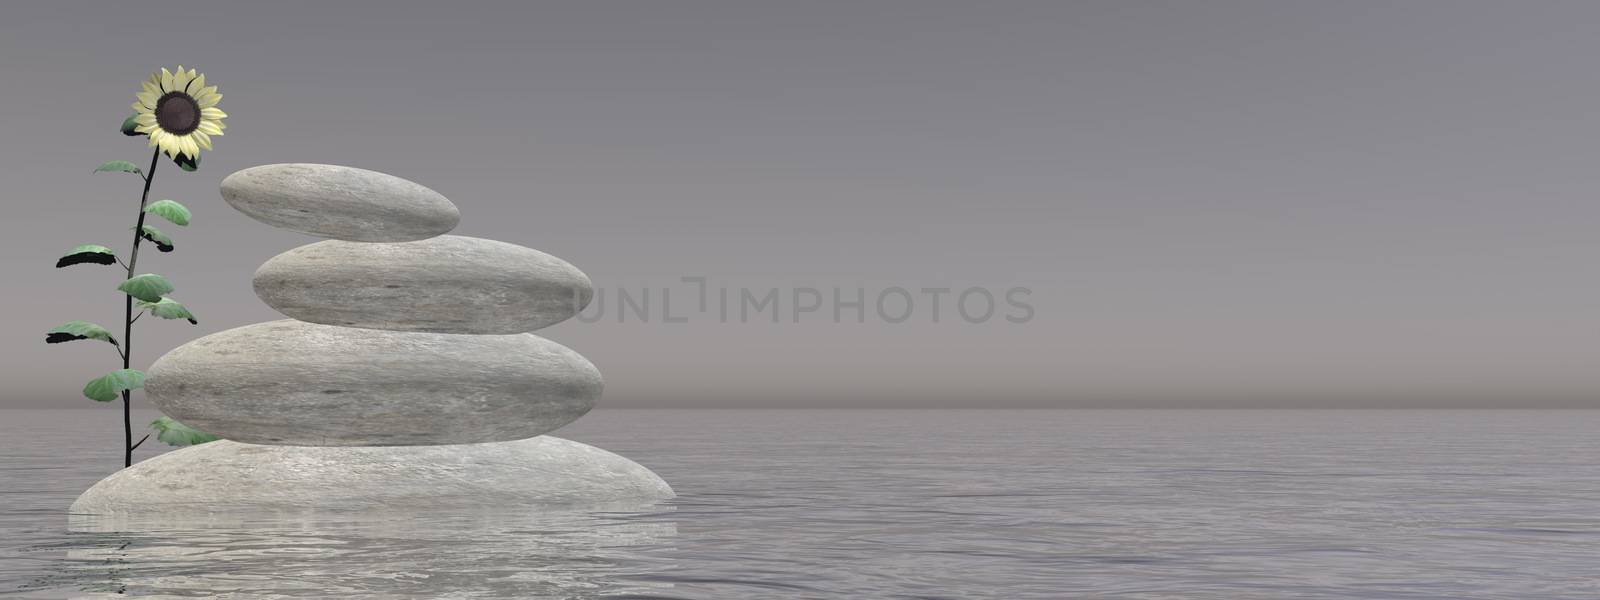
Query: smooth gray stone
[(227, 476), (295, 383), (337, 202), (448, 284)]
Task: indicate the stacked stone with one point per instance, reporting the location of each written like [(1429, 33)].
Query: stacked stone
[(405, 376)]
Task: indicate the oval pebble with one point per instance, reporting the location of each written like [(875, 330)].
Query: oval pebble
[(295, 383), (226, 476), (448, 284), (337, 202)]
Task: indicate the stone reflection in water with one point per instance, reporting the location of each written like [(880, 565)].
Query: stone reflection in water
[(569, 553)]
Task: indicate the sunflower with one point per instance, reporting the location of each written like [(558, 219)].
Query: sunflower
[(179, 112)]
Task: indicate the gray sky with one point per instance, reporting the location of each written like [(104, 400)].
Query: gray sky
[(1213, 203)]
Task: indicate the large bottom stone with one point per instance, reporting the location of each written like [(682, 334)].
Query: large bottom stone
[(227, 476)]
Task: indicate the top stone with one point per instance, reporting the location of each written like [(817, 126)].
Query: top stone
[(337, 202)]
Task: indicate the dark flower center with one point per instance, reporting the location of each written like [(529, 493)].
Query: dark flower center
[(177, 113)]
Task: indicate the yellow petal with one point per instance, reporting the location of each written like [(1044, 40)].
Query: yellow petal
[(145, 119), (199, 82), (140, 107), (209, 127), (180, 81), (169, 144), (145, 128), (190, 147), (148, 99), (201, 138), (207, 100), (213, 113), (166, 80)]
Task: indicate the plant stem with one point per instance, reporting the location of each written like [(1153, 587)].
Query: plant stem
[(127, 316)]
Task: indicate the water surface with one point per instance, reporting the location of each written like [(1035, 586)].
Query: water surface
[(899, 504)]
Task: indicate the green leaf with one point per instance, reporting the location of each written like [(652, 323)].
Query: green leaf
[(162, 242), (106, 387), (148, 287), (88, 253), (186, 162), (78, 330), (174, 433), (168, 308), (177, 214), (129, 125), (119, 166)]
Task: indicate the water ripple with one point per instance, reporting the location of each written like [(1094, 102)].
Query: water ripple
[(1232, 505)]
